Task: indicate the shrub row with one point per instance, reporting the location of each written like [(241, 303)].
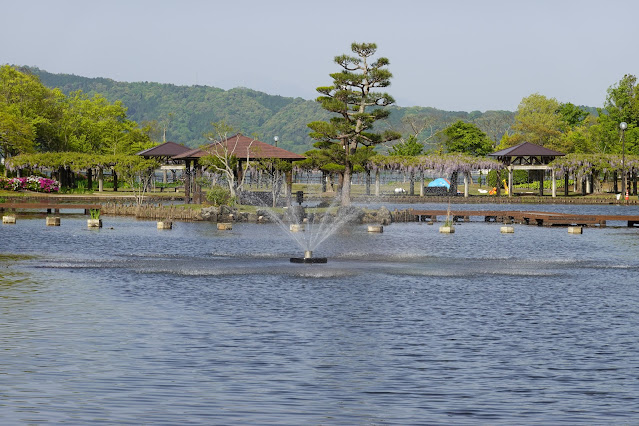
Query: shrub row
[(31, 183)]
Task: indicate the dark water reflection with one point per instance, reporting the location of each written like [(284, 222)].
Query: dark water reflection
[(132, 325)]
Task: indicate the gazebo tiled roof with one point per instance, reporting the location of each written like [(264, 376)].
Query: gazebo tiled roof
[(527, 149), (526, 153), (167, 149), (242, 147)]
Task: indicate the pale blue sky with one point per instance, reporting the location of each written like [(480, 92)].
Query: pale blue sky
[(453, 55)]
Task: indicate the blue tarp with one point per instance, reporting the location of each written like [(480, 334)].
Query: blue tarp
[(440, 182)]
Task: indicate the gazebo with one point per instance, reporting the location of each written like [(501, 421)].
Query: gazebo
[(528, 156), (243, 148), (165, 153)]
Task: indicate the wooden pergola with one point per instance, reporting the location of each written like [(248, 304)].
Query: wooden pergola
[(528, 156), (165, 153), (243, 148)]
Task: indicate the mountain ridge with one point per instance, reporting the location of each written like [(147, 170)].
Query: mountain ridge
[(188, 111)]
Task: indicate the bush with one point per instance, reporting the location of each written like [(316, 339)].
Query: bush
[(31, 183), (519, 177), (219, 196), (547, 184)]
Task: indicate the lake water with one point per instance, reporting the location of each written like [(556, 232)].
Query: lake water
[(133, 325)]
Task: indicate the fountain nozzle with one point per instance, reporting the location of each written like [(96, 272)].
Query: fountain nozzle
[(308, 258)]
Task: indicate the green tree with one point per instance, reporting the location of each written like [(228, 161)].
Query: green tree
[(27, 100), (572, 115), (622, 104), (356, 107), (16, 135), (93, 124), (537, 121), (495, 124), (466, 138), (622, 101), (409, 147)]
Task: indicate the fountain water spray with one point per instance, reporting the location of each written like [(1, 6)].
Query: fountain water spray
[(310, 235)]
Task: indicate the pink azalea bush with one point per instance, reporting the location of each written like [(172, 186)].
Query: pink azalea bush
[(31, 183)]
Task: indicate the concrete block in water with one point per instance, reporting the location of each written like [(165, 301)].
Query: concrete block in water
[(224, 226), (575, 230), (53, 221), (94, 223), (507, 230), (376, 228), (165, 224), (446, 230), (9, 220)]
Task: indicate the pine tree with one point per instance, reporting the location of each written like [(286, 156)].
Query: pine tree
[(356, 105)]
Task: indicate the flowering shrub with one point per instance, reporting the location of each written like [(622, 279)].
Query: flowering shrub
[(31, 183)]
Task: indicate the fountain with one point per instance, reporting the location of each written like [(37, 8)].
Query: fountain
[(311, 233)]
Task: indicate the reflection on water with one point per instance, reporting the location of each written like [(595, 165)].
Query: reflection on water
[(199, 326)]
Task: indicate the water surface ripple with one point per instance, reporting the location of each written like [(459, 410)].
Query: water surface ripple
[(132, 325)]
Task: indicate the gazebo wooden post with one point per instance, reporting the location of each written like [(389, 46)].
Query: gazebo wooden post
[(378, 182), (465, 184), (187, 181), (566, 182), (368, 181), (541, 182), (197, 187), (100, 179), (554, 183), (289, 186), (510, 181), (89, 178), (71, 177)]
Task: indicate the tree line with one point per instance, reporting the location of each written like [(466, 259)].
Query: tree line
[(350, 122), (184, 114), (346, 140)]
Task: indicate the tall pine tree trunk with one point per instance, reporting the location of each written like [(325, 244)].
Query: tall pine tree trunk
[(346, 184)]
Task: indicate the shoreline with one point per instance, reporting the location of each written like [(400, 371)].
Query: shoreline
[(177, 199)]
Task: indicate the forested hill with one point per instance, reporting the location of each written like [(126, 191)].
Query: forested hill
[(188, 111)]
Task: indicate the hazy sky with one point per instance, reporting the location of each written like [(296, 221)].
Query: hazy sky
[(448, 54)]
